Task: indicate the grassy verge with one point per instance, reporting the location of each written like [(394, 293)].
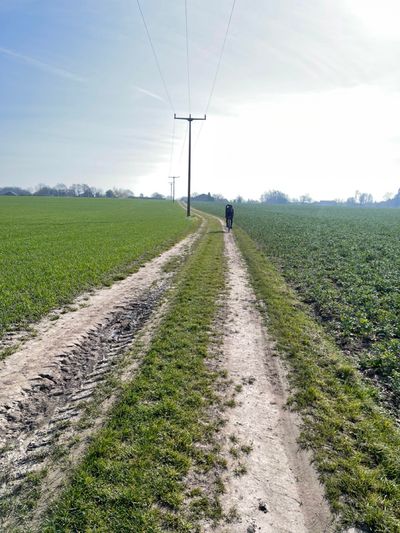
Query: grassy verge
[(133, 476), (356, 446)]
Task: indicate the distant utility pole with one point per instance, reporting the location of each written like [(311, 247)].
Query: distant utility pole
[(173, 178), (190, 120)]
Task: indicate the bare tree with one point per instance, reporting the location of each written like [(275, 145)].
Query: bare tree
[(274, 197), (305, 199)]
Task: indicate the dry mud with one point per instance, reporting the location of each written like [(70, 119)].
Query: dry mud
[(270, 483), (46, 385)]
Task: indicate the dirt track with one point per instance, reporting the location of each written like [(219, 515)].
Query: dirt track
[(46, 385), (272, 488)]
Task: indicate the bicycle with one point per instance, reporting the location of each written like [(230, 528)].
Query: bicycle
[(229, 224)]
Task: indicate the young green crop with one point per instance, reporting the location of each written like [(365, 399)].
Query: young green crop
[(345, 263), (51, 249)]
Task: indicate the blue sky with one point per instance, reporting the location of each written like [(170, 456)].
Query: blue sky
[(307, 98)]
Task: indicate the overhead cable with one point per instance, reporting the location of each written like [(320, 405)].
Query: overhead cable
[(187, 56), (155, 56), (220, 57), (217, 70)]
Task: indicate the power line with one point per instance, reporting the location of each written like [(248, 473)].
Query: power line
[(187, 55), (190, 119), (217, 70), (172, 183), (220, 57), (155, 56)]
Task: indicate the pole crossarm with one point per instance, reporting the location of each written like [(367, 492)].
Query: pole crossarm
[(190, 119)]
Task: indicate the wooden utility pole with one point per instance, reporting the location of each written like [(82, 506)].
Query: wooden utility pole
[(190, 120), (173, 178)]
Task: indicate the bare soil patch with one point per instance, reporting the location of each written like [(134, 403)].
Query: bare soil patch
[(270, 483)]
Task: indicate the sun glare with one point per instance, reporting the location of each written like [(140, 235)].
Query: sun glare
[(382, 18)]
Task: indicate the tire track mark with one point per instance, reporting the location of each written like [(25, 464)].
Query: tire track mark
[(45, 386)]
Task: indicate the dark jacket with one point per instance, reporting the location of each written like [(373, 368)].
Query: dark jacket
[(229, 211)]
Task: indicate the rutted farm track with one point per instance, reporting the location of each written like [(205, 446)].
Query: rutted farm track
[(51, 382), (48, 383), (161, 404), (56, 393)]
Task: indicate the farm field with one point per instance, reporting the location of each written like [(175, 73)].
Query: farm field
[(345, 263), (161, 405), (51, 249), (355, 443)]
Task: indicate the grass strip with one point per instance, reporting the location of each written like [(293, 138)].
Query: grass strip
[(356, 445), (133, 475)]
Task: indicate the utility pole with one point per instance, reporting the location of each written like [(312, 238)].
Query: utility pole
[(190, 120), (173, 178)]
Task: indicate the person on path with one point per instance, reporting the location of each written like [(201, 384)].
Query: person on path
[(229, 212)]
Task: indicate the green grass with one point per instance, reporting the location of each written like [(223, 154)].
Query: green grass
[(51, 249), (356, 446), (24, 499), (133, 476)]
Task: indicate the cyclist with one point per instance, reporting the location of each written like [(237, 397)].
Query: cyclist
[(229, 212)]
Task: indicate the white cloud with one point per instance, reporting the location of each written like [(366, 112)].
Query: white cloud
[(57, 71), (305, 100), (149, 93)]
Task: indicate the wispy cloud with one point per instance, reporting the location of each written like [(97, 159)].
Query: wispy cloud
[(57, 71), (149, 93)]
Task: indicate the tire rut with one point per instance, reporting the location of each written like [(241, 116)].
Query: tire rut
[(31, 427), (47, 385)]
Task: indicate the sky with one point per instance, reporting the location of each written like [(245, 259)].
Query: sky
[(307, 97)]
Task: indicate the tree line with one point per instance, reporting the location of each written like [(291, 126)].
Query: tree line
[(362, 199), (77, 190), (276, 197), (272, 197)]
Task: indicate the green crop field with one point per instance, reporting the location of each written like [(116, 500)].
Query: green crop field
[(345, 263), (51, 249)]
